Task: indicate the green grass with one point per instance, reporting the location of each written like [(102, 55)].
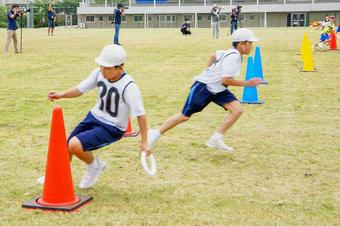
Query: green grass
[(285, 170)]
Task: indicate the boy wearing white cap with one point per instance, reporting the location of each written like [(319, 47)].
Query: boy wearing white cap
[(211, 86), (118, 97)]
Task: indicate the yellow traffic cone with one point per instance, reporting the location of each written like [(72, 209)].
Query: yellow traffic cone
[(308, 57), (303, 46)]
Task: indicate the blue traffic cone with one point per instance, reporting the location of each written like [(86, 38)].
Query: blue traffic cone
[(250, 93), (258, 71)]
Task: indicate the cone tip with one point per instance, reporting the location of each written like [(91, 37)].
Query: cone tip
[(57, 108)]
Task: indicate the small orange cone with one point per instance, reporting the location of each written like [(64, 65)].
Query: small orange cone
[(332, 42), (129, 131), (58, 191)]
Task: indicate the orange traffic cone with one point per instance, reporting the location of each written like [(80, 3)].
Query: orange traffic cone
[(58, 191), (129, 131), (332, 42)]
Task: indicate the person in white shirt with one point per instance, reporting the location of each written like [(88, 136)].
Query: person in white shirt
[(211, 86), (118, 97)]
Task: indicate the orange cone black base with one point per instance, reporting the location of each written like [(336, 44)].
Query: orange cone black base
[(34, 204)]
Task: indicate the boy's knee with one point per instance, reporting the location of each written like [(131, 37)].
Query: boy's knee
[(238, 112), (74, 145)]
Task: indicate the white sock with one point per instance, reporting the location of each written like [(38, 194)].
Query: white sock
[(217, 135), (93, 164), (158, 134)]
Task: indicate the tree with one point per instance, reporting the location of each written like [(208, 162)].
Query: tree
[(3, 16)]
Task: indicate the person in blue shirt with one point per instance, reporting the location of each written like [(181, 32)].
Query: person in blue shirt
[(51, 20), (117, 15), (12, 26)]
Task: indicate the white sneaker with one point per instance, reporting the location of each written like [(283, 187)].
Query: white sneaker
[(219, 144), (153, 136), (320, 45), (92, 174), (41, 180)]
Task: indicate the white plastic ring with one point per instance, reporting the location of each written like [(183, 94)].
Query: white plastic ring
[(152, 171)]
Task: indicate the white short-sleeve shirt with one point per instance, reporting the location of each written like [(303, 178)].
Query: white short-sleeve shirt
[(116, 100), (227, 64)]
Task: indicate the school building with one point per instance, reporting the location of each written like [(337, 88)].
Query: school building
[(172, 13)]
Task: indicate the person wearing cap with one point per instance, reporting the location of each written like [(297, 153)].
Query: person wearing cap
[(215, 20), (212, 86), (117, 15), (12, 26), (327, 27), (118, 98)]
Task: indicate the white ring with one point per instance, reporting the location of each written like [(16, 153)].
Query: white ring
[(152, 171)]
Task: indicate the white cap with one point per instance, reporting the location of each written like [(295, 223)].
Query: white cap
[(242, 35), (111, 55), (214, 5)]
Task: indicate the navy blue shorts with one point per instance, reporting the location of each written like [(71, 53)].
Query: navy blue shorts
[(50, 23), (94, 134), (199, 97)]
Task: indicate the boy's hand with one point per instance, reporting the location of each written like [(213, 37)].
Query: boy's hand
[(145, 147), (54, 96), (254, 82)]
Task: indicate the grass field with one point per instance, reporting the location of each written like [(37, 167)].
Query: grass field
[(285, 170)]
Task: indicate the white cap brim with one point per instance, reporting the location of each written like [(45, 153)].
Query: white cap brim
[(102, 62), (254, 39), (249, 40)]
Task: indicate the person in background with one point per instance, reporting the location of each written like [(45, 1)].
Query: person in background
[(117, 15), (185, 28), (51, 20), (215, 20), (12, 26), (235, 12)]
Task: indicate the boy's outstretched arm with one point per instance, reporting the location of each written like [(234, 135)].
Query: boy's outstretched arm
[(143, 126), (70, 93), (229, 81), (212, 60)]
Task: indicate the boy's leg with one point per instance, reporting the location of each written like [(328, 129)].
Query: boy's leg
[(228, 101), (76, 148), (235, 112), (172, 122), (199, 97), (216, 140), (155, 134)]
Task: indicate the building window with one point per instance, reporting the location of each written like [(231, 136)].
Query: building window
[(242, 17), (167, 18), (223, 17), (89, 19), (123, 19), (189, 17), (100, 18), (138, 19), (110, 18), (199, 17), (252, 17)]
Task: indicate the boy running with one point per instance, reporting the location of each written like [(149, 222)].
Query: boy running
[(327, 27), (211, 86), (118, 96)]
